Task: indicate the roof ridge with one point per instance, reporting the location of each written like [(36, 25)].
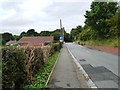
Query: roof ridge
[(35, 36)]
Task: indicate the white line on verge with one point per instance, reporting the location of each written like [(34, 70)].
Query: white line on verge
[(89, 81)]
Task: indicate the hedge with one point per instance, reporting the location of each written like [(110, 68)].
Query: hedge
[(13, 67), (43, 74), (19, 65)]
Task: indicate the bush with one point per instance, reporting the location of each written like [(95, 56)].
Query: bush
[(21, 64), (13, 67), (34, 61), (42, 76), (46, 52), (55, 47)]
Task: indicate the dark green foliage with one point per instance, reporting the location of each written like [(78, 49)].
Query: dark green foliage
[(86, 34), (6, 37), (38, 60), (56, 34), (13, 67), (16, 37), (114, 25), (67, 37), (74, 32), (20, 65), (31, 32), (55, 47), (45, 33), (23, 33), (102, 23), (98, 16)]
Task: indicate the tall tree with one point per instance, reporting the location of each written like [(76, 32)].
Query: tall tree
[(97, 17)]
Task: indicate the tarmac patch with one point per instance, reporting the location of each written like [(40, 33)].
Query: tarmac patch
[(101, 74)]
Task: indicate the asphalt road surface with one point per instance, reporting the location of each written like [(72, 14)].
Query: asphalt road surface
[(101, 67)]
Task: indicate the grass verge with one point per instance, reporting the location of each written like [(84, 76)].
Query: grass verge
[(42, 76), (110, 42)]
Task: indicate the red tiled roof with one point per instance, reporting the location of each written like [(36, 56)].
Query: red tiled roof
[(36, 40), (12, 42)]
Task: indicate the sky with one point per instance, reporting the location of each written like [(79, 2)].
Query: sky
[(17, 16)]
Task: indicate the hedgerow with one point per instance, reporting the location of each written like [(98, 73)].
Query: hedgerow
[(13, 67), (42, 75), (20, 65)]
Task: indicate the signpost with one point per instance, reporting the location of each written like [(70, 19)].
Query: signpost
[(61, 38)]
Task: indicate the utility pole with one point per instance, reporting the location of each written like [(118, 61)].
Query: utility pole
[(60, 24), (62, 30)]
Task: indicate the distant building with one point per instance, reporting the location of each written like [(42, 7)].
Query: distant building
[(35, 40), (12, 42)]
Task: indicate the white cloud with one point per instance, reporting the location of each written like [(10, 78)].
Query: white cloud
[(4, 15), (20, 15), (32, 7)]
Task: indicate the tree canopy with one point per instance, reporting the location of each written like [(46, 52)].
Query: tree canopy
[(97, 18), (101, 22), (6, 37), (31, 32), (75, 31)]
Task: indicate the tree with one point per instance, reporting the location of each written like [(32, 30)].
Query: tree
[(86, 34), (6, 37), (97, 17), (114, 27), (16, 37), (45, 33), (75, 31), (23, 34), (31, 32), (67, 37), (56, 33)]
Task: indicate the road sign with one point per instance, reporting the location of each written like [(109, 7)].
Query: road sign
[(61, 38)]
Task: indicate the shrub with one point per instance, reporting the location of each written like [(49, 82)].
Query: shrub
[(46, 52), (13, 67), (55, 47), (21, 64), (42, 76), (33, 62)]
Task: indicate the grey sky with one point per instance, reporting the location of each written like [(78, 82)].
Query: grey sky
[(17, 16)]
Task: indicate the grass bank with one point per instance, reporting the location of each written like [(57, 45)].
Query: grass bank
[(110, 42), (43, 74)]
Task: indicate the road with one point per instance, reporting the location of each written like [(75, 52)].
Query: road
[(101, 67)]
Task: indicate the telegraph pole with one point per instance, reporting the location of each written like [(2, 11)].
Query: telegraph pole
[(60, 24), (61, 34), (62, 30)]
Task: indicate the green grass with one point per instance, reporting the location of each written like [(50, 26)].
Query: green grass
[(110, 42), (42, 76)]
